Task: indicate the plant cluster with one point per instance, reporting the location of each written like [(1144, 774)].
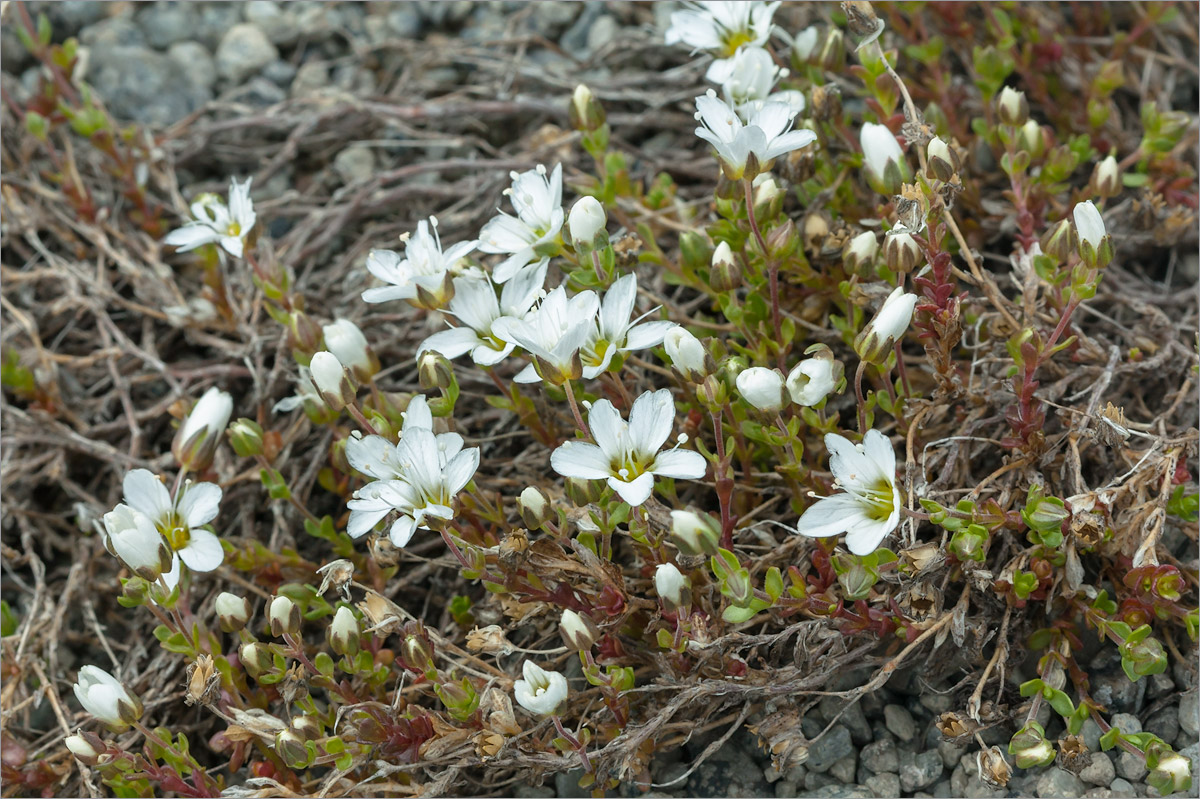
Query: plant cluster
[(808, 407)]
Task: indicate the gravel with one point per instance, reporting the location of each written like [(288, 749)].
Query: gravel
[(1057, 782), (1189, 714), (885, 784), (167, 23), (919, 771), (1131, 766), (1100, 771), (244, 50), (143, 85), (900, 722), (881, 756), (829, 749)]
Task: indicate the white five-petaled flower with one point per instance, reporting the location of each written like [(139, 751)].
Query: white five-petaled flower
[(752, 76), (553, 333), (476, 306), (418, 478), (103, 695), (133, 538), (1089, 223), (765, 135), (217, 223), (869, 508), (541, 692), (811, 380), (626, 454), (180, 521), (882, 157), (423, 274), (615, 332), (887, 326), (537, 199), (722, 28)]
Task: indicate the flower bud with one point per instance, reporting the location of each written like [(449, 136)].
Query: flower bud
[(283, 616), (1142, 655), (344, 633), (585, 114), (901, 252), (762, 388), (1030, 747), (1106, 177), (862, 20), (585, 222), (331, 381), (783, 240), (459, 697), (1031, 140), (833, 51), (196, 442), (970, 543), (943, 160), (1012, 107), (233, 611), (103, 695), (1169, 771), (804, 45), (671, 585), (347, 342), (1095, 246), (255, 658), (246, 437), (888, 325), (813, 379), (578, 632), (687, 354), (694, 250), (133, 539), (291, 748), (1045, 514), (535, 507), (434, 370), (304, 336), (826, 105), (883, 160), (712, 392), (768, 197), (416, 653), (695, 533), (307, 727), (858, 254), (1056, 241), (726, 273), (83, 749)]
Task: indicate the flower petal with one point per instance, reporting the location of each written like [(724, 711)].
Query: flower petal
[(830, 516), (609, 429), (581, 460), (680, 464), (650, 420), (200, 503), (203, 552), (634, 492), (146, 493)]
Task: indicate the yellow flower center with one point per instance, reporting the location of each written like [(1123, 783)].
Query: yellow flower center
[(732, 40)]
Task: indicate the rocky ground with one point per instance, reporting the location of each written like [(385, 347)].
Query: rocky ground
[(240, 88)]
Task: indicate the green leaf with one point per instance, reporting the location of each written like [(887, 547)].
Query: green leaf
[(8, 620)]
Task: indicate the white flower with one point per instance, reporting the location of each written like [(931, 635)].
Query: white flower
[(198, 436), (870, 507), (686, 352), (423, 274), (811, 380), (431, 470), (81, 748), (103, 695), (766, 134), (344, 632), (762, 388), (805, 43), (377, 457), (553, 333), (344, 339), (670, 583), (306, 394), (476, 306), (626, 454), (752, 76), (888, 326), (214, 222), (283, 616), (587, 218), (722, 28), (541, 692), (882, 152), (329, 376), (136, 542), (1089, 224), (179, 521), (538, 203), (613, 330), (693, 533)]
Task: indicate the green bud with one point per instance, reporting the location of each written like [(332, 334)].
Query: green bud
[(434, 370), (1030, 747), (246, 437), (695, 533)]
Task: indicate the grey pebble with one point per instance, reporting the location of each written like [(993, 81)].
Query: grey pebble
[(1130, 766), (1126, 722), (843, 792), (900, 722), (881, 756), (1091, 735), (404, 20), (1164, 724), (113, 32), (843, 770), (885, 784), (1100, 771), (196, 61), (919, 771), (144, 86), (276, 21), (279, 72), (828, 749), (603, 31), (243, 51), (164, 24), (533, 792), (1116, 692), (311, 77), (1189, 714), (1057, 782), (1122, 787)]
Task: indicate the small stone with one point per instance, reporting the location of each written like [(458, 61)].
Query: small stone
[(815, 781), (1192, 753), (1159, 685), (1091, 735), (828, 749), (1126, 723), (310, 77), (1117, 693), (258, 92), (113, 32), (941, 790), (279, 72), (852, 716), (533, 792), (900, 722), (785, 789), (1185, 673), (603, 31), (843, 770), (1130, 766), (1098, 793), (278, 23), (215, 20), (1164, 724), (566, 784), (1100, 771), (1057, 782), (880, 757), (919, 771), (843, 792), (405, 21), (936, 703), (164, 24), (950, 752), (1120, 787), (71, 16), (244, 50), (144, 86), (885, 784), (195, 60), (1189, 715)]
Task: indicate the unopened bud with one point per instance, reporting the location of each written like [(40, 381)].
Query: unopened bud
[(307, 727), (535, 507), (283, 616), (858, 254), (687, 354), (784, 240), (233, 611), (1106, 177), (1030, 747), (943, 160), (804, 44), (290, 746), (331, 381), (246, 437), (585, 223), (833, 51), (416, 653), (901, 251), (1056, 241), (695, 251), (255, 658), (578, 632), (672, 586), (344, 632), (762, 388), (304, 336), (198, 436), (586, 113), (888, 326), (1170, 771), (826, 102), (1031, 140), (695, 533), (1012, 107), (713, 392), (347, 342), (83, 750), (768, 198), (434, 370), (726, 274), (970, 543)]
